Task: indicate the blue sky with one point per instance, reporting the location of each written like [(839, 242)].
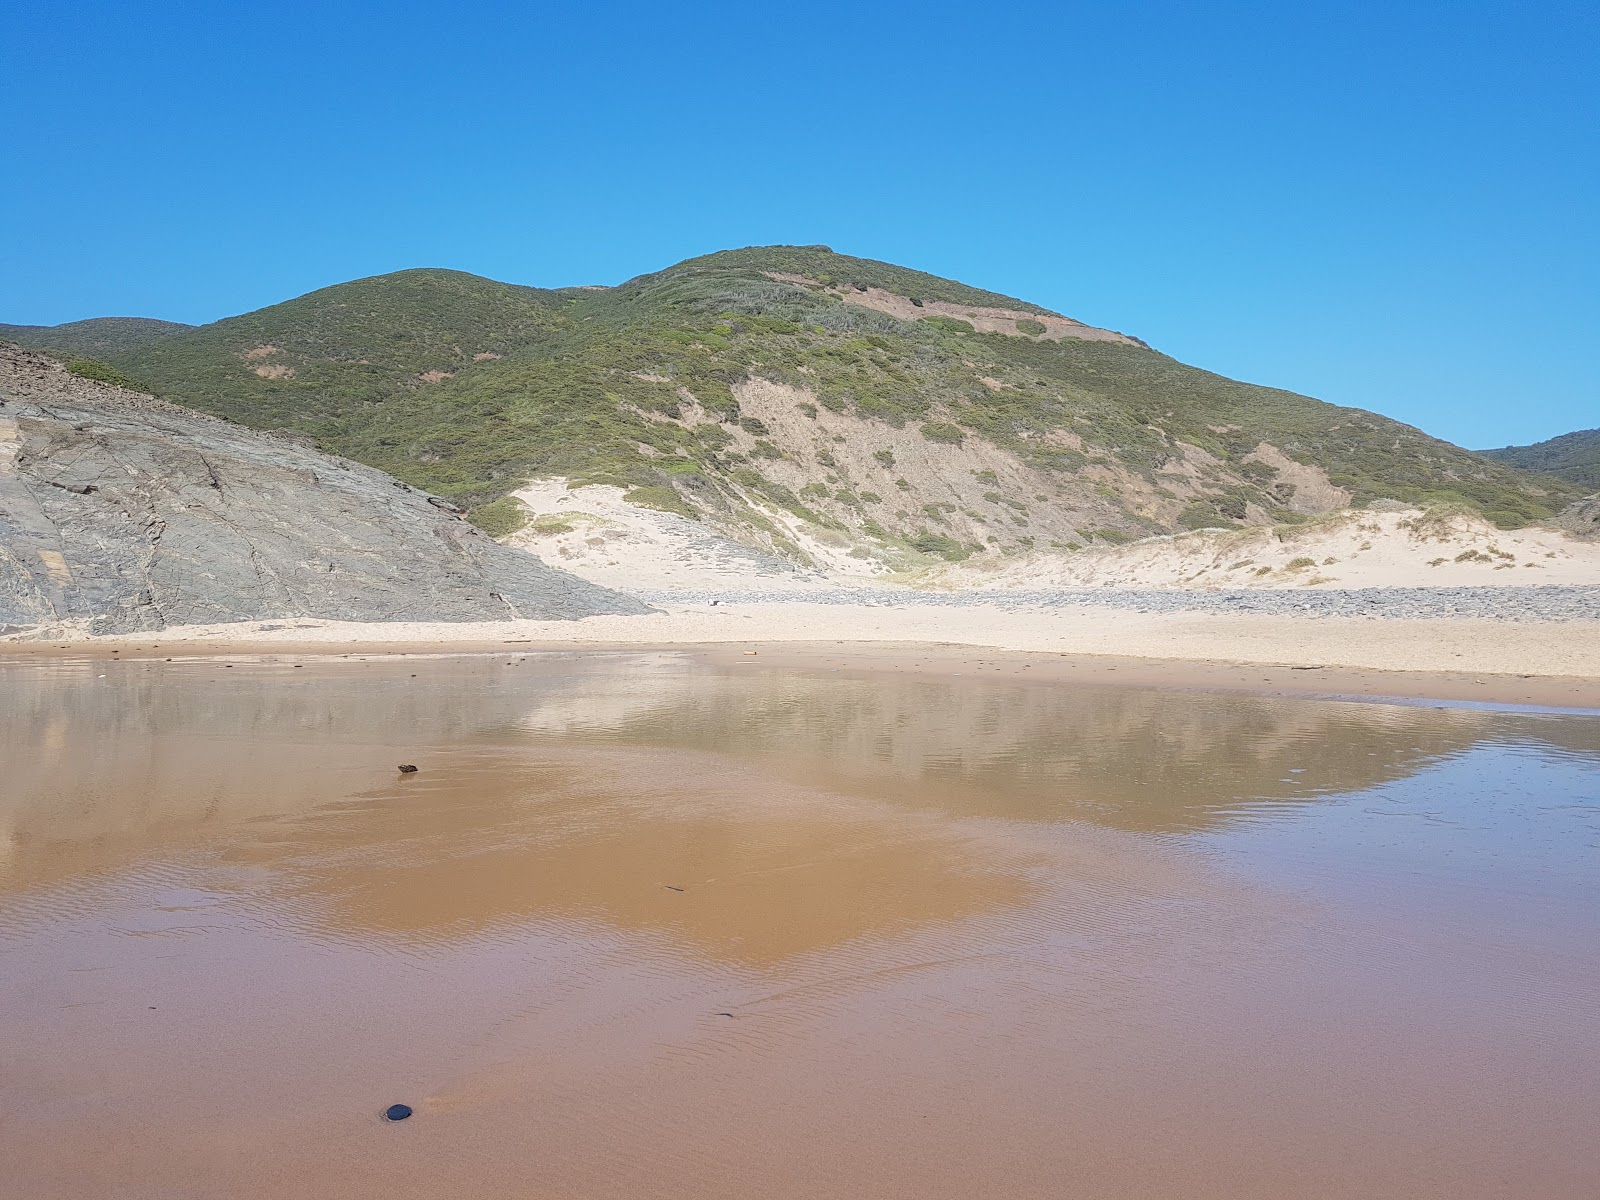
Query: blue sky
[(1392, 206)]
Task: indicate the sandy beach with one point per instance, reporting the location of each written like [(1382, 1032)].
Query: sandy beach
[(1547, 663)]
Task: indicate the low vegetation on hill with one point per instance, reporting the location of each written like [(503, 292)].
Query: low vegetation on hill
[(1574, 457), (97, 337), (809, 403)]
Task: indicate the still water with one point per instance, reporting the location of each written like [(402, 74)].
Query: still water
[(641, 926)]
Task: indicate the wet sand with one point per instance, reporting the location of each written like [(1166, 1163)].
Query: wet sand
[(1561, 650), (654, 923), (1309, 677)]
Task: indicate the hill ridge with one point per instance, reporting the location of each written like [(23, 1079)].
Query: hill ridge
[(1574, 457), (95, 337), (821, 407)]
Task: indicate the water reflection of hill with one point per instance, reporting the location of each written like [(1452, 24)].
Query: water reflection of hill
[(1131, 758), (799, 811), (283, 789)]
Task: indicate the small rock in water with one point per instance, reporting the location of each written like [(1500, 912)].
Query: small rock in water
[(397, 1112), (408, 769)]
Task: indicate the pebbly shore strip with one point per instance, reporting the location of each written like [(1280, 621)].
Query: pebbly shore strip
[(1548, 603)]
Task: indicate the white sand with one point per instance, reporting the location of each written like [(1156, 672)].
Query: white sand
[(591, 531), (1346, 550)]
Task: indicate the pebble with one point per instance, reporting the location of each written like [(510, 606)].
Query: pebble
[(397, 1112), (1537, 603)]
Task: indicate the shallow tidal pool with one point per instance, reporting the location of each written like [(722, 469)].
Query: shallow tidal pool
[(642, 925)]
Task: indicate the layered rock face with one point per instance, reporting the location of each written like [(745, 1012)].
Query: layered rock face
[(120, 513)]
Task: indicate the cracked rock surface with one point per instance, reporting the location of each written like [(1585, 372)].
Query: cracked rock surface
[(121, 513)]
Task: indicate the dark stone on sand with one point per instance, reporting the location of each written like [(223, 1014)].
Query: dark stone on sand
[(397, 1112), (408, 769)]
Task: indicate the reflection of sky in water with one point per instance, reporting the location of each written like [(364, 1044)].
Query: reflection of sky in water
[(1138, 759), (1507, 829)]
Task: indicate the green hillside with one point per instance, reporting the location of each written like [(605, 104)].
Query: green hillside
[(1574, 457), (334, 351), (789, 394), (826, 267), (98, 337)]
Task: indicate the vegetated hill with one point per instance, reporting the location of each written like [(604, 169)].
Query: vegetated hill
[(1574, 457), (335, 351), (119, 512), (98, 337), (827, 408)]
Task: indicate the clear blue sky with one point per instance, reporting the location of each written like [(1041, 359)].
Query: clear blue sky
[(1390, 205)]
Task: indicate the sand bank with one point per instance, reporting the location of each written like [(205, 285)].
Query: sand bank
[(1528, 662)]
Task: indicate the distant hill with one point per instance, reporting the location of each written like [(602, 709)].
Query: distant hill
[(333, 352), (807, 403), (1574, 457), (98, 337)]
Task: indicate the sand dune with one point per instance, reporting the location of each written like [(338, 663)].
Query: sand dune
[(1350, 549)]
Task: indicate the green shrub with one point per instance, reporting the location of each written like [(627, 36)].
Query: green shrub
[(93, 368), (1201, 515), (943, 431), (1257, 472), (1115, 536), (948, 324), (1032, 328), (937, 543), (550, 524), (500, 517), (663, 499)]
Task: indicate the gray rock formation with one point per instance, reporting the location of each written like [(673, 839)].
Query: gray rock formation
[(121, 513), (1582, 519)]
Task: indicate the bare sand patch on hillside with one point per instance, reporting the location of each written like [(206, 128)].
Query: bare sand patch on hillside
[(1050, 328), (1346, 550)]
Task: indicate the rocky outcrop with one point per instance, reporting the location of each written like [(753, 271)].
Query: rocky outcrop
[(1581, 519), (121, 513)]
